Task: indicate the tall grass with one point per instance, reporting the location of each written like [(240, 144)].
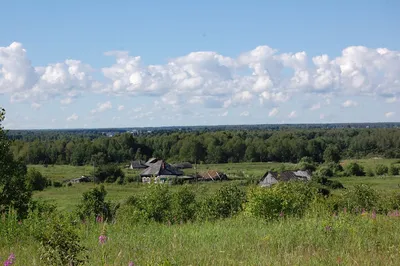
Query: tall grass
[(318, 238)]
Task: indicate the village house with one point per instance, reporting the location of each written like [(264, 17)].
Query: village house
[(159, 170), (271, 178)]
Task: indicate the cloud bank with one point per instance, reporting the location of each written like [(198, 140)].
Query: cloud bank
[(260, 76)]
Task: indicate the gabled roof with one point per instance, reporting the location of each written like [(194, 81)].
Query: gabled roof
[(295, 175), (138, 164), (271, 178), (160, 168), (151, 161)]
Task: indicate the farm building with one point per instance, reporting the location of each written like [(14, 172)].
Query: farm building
[(211, 175), (271, 178), (138, 164), (82, 179), (159, 168)]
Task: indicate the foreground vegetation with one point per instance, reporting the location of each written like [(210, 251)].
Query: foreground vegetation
[(290, 224)]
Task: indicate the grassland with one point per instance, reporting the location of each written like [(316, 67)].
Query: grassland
[(66, 198), (318, 238), (312, 240)]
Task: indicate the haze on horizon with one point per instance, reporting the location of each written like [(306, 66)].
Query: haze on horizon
[(77, 64)]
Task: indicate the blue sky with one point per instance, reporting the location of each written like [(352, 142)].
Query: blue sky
[(73, 64)]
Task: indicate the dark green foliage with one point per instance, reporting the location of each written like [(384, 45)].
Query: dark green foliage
[(282, 199), (226, 202), (109, 173), (57, 184), (93, 204), (381, 169), (360, 197), (35, 180), (329, 170), (60, 244), (354, 169), (285, 145), (369, 172), (331, 154), (333, 184), (183, 205), (13, 191), (154, 204), (394, 170), (307, 163)]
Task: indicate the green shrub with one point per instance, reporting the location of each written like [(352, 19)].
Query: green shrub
[(354, 169), (109, 173), (60, 245), (155, 203), (333, 184), (226, 202), (361, 197), (307, 163), (285, 198), (35, 180), (56, 184), (183, 205), (369, 172), (93, 205), (394, 170), (381, 169)]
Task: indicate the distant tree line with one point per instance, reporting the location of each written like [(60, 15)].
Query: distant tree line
[(288, 145)]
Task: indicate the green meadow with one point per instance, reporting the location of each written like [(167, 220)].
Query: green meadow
[(319, 236)]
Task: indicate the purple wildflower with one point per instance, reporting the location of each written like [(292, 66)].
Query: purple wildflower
[(102, 239), (131, 263), (373, 215), (99, 219), (281, 214), (10, 260)]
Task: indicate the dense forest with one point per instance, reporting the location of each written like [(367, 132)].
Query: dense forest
[(250, 145)]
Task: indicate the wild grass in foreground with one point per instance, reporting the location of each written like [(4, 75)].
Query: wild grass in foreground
[(287, 224), (316, 239)]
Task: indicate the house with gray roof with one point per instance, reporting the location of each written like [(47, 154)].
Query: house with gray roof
[(271, 178)]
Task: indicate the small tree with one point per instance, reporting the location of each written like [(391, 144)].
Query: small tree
[(35, 180), (331, 154), (109, 173), (307, 163), (354, 169), (60, 245), (13, 191), (93, 204), (381, 169), (394, 170)]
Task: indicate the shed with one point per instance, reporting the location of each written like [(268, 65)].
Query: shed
[(211, 175), (138, 164)]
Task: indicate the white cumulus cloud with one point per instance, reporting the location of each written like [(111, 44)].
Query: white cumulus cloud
[(292, 114), (73, 117), (207, 78), (349, 103), (389, 114), (245, 113), (36, 105), (101, 107), (121, 107), (273, 112), (315, 106)]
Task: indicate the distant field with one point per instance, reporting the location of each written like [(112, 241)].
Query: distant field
[(67, 197)]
